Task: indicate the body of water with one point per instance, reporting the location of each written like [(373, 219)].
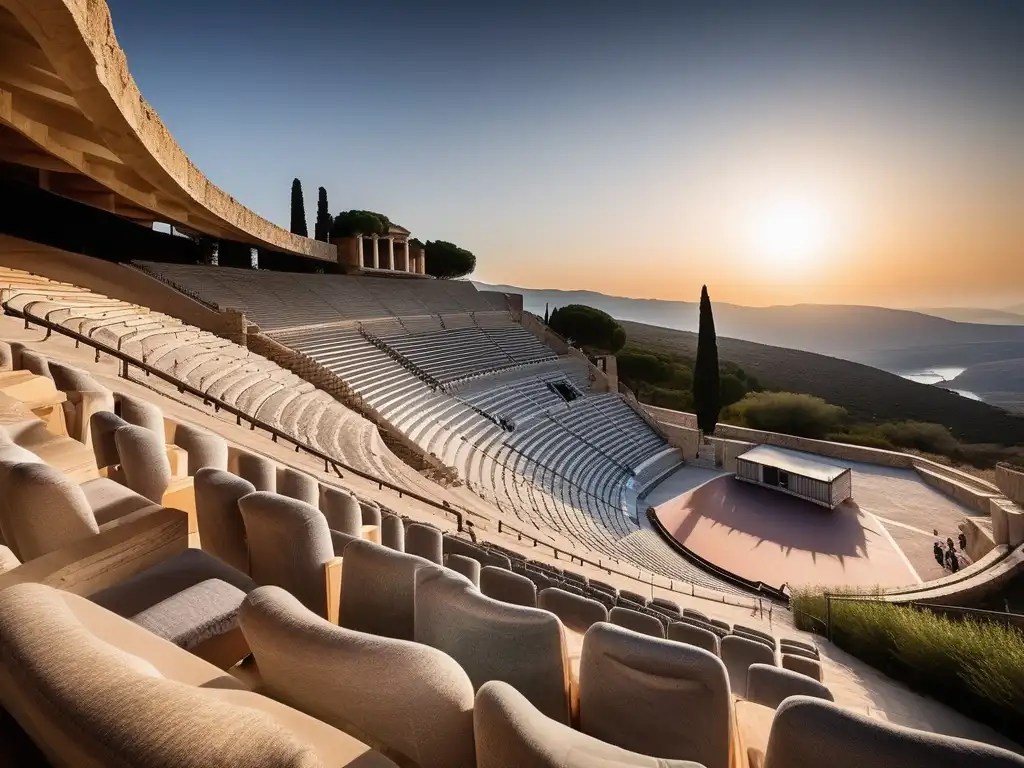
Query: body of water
[(937, 376)]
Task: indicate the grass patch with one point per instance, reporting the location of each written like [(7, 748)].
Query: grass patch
[(973, 666)]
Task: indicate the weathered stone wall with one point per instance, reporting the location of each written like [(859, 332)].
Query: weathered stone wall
[(1011, 482), (236, 326), (726, 452), (666, 416), (686, 440), (980, 537)]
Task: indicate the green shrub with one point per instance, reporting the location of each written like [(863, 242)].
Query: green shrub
[(349, 223), (921, 436), (594, 331), (973, 666), (787, 412)]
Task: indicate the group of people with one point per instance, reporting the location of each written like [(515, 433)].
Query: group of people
[(947, 557)]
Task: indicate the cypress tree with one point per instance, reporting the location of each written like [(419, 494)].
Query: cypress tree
[(545, 313), (707, 399), (322, 228), (298, 210)]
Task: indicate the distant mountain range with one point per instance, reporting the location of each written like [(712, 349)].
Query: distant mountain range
[(892, 339), (982, 316)]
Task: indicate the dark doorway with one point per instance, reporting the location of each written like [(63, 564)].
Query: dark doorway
[(770, 476)]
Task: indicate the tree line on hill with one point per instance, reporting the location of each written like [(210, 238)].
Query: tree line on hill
[(722, 391), (656, 378), (444, 260)]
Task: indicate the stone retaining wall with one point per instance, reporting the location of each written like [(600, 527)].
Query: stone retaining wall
[(1011, 482)]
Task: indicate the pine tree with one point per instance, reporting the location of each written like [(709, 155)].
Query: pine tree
[(707, 400), (322, 227), (298, 210)]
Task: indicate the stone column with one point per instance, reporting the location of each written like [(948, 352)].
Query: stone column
[(376, 254), (359, 251), (391, 253), (408, 265)]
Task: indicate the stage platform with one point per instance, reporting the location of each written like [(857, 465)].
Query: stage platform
[(765, 536)]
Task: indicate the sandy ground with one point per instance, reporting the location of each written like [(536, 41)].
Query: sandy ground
[(767, 536), (910, 510)]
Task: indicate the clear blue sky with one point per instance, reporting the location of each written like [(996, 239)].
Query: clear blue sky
[(781, 152)]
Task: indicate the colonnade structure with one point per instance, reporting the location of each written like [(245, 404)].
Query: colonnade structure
[(73, 124), (392, 252)]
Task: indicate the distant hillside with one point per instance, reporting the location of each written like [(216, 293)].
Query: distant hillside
[(980, 316), (1004, 376), (867, 393), (894, 339)]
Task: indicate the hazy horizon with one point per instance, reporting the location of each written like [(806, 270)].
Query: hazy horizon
[(795, 152), (1016, 309)]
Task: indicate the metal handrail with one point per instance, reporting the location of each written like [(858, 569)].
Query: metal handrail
[(1006, 618), (219, 405)]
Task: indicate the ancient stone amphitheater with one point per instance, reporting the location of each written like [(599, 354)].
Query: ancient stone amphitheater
[(293, 517)]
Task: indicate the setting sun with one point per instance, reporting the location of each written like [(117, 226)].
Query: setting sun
[(790, 232)]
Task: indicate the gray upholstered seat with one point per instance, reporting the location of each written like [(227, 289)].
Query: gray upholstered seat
[(259, 471), (654, 696), (95, 690), (186, 599), (512, 733), (42, 510), (6, 357), (371, 513), (110, 501), (524, 647), (508, 587), (785, 642), (453, 545), (756, 638), (667, 605), (682, 632), (725, 626), (341, 510), (424, 541), (102, 426), (739, 653), (690, 613), (205, 450), (801, 664), (407, 697), (141, 413), (297, 485), (85, 396), (740, 629), (638, 622), (795, 650), (8, 560), (392, 533), (289, 546), (221, 529), (379, 590), (466, 566), (576, 612), (807, 732), (33, 362), (769, 685), (143, 461)]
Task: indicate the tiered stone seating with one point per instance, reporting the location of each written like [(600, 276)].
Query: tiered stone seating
[(213, 365), (279, 300)]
